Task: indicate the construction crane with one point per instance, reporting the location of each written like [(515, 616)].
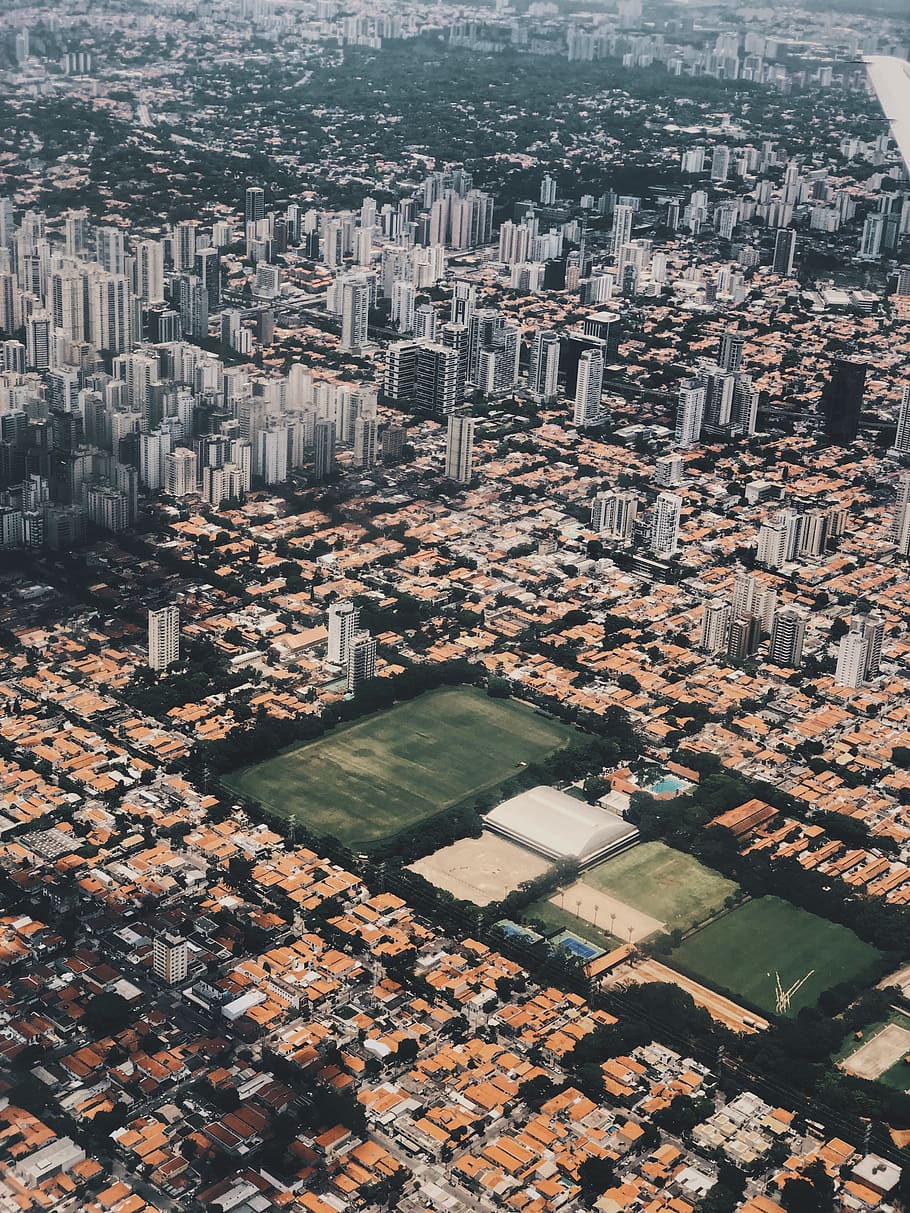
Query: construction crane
[(782, 996)]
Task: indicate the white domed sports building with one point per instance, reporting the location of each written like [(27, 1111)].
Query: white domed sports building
[(557, 826)]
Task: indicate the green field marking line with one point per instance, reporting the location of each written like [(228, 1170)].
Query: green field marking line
[(742, 951), (664, 883)]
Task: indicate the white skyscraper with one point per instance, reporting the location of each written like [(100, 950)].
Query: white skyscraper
[(860, 650), (183, 245), (764, 608), (787, 635), (665, 524), (180, 472), (109, 249), (589, 389), (460, 448), (622, 228), (67, 300), (715, 626), (164, 637), (743, 595), (272, 454), (425, 322), (690, 412), (900, 525), (149, 271), (543, 372), (366, 429), (355, 311), (902, 436), (613, 514), (777, 539), (153, 451), (110, 313), (343, 622), (669, 470), (403, 296)]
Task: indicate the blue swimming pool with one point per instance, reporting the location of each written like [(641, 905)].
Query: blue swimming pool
[(669, 783)]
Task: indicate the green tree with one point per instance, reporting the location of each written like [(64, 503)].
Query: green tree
[(813, 1192), (596, 1176), (106, 1014)]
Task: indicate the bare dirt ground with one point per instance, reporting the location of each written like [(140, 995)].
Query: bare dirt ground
[(880, 1053), (481, 869), (600, 909), (724, 1010), (900, 978)]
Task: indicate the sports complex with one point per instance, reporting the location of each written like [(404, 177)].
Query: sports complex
[(367, 781)]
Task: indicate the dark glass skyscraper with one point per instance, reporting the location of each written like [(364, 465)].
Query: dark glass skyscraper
[(842, 400)]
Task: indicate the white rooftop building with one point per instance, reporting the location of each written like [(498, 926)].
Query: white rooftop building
[(558, 826)]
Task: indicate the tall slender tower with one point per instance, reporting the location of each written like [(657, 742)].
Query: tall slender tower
[(343, 622), (787, 636), (254, 204), (690, 411), (460, 448), (543, 373), (784, 252), (842, 400), (665, 524), (860, 651), (164, 637), (622, 228), (900, 523), (902, 436), (355, 312), (589, 389)]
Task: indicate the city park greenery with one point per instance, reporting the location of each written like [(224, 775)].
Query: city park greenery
[(368, 780)]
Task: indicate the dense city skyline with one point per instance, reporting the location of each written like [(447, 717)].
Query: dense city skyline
[(454, 536)]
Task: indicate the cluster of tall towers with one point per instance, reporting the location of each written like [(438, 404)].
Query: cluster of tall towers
[(349, 646)]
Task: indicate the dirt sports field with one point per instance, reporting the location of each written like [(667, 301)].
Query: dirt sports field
[(609, 913), (900, 978), (481, 869), (880, 1053), (724, 1010)]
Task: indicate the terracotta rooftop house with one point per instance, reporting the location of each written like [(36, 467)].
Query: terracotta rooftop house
[(746, 818)]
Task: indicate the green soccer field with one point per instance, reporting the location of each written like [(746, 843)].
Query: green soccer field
[(368, 780), (742, 951), (667, 884)]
